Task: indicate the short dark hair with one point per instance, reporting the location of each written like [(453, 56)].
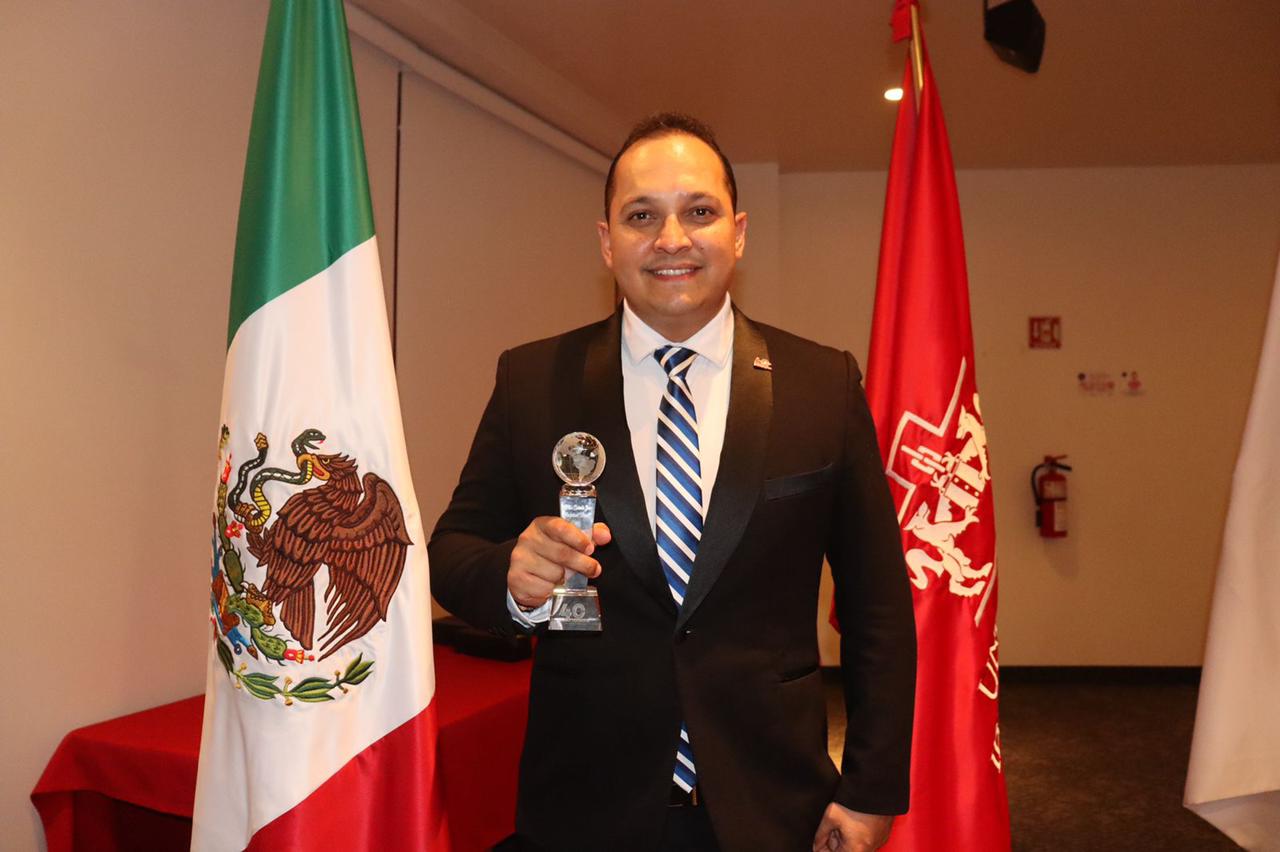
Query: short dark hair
[(665, 124)]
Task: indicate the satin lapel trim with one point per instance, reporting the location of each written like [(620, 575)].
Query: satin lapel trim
[(621, 500), (738, 483)]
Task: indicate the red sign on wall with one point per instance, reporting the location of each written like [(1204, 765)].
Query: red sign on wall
[(1046, 333)]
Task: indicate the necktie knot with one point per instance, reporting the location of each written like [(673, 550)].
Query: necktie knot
[(676, 360)]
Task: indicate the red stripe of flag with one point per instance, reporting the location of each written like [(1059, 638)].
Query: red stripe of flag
[(386, 797)]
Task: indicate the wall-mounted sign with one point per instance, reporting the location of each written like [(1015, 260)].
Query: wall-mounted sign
[(1098, 383), (1131, 383), (1046, 333)]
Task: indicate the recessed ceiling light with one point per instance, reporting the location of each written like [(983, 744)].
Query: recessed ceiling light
[(894, 94)]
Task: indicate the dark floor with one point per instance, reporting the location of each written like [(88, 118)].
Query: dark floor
[(1093, 766)]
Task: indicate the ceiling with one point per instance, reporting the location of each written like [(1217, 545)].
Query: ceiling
[(800, 82)]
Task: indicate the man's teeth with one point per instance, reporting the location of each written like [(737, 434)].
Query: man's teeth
[(671, 273)]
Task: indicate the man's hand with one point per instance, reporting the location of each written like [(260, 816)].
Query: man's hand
[(544, 551), (843, 830)]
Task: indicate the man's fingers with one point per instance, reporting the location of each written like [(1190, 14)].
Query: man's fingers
[(546, 549), (566, 545), (533, 577), (561, 556), (548, 561), (820, 836), (601, 534), (531, 591), (827, 838), (845, 830), (560, 530)]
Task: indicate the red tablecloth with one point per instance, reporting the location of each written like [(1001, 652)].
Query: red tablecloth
[(129, 783)]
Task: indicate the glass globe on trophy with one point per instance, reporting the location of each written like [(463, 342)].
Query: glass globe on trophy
[(578, 459)]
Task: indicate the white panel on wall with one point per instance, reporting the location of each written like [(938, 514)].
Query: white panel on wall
[(497, 247)]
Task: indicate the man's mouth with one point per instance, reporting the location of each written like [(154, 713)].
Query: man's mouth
[(672, 273)]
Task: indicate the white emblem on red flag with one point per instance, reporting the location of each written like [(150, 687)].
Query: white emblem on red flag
[(950, 462)]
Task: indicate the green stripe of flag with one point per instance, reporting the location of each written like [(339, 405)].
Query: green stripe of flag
[(305, 201)]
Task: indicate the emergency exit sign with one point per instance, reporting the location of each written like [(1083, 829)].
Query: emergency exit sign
[(1046, 333)]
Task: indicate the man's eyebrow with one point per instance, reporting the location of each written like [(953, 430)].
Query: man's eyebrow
[(685, 196)]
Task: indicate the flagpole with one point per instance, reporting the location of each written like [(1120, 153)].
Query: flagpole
[(917, 65)]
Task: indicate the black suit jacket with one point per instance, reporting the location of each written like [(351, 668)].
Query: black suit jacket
[(800, 477)]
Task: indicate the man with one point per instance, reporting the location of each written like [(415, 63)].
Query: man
[(737, 457)]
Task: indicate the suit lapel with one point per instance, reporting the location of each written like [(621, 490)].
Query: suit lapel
[(738, 482), (621, 500)]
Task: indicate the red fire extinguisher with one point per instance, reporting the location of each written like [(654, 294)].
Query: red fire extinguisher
[(1050, 491)]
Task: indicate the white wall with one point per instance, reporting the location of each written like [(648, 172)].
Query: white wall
[(1166, 271)]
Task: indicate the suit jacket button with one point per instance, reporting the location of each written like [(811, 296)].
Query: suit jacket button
[(684, 634)]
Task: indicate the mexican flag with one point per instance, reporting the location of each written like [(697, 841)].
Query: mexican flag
[(318, 725), (923, 393)]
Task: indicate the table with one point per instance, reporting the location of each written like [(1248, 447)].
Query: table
[(129, 783)]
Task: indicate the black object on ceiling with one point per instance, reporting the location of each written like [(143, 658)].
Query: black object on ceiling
[(1015, 31)]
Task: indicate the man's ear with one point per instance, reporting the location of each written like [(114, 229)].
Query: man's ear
[(739, 233), (606, 245)]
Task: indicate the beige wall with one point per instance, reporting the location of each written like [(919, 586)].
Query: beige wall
[(1166, 271), (122, 139), (758, 286)]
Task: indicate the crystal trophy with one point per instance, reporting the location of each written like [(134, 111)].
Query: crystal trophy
[(578, 459)]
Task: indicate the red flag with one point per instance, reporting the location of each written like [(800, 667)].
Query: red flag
[(924, 396)]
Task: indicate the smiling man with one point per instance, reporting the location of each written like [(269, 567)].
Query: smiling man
[(672, 234), (739, 457)]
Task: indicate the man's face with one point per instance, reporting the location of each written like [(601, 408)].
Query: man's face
[(672, 238)]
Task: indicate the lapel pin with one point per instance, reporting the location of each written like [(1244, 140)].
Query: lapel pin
[(763, 364)]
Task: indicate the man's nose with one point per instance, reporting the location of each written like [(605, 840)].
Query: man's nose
[(673, 237)]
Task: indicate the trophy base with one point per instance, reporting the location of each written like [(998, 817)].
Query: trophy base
[(575, 609)]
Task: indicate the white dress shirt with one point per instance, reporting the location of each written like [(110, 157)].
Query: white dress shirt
[(643, 382)]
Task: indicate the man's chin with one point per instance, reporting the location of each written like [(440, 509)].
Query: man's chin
[(680, 319)]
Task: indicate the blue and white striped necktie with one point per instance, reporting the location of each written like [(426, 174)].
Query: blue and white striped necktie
[(678, 516)]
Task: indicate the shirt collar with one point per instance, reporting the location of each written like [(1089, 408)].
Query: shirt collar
[(714, 341)]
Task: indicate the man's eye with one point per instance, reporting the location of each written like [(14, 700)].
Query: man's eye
[(703, 212), (640, 216)]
